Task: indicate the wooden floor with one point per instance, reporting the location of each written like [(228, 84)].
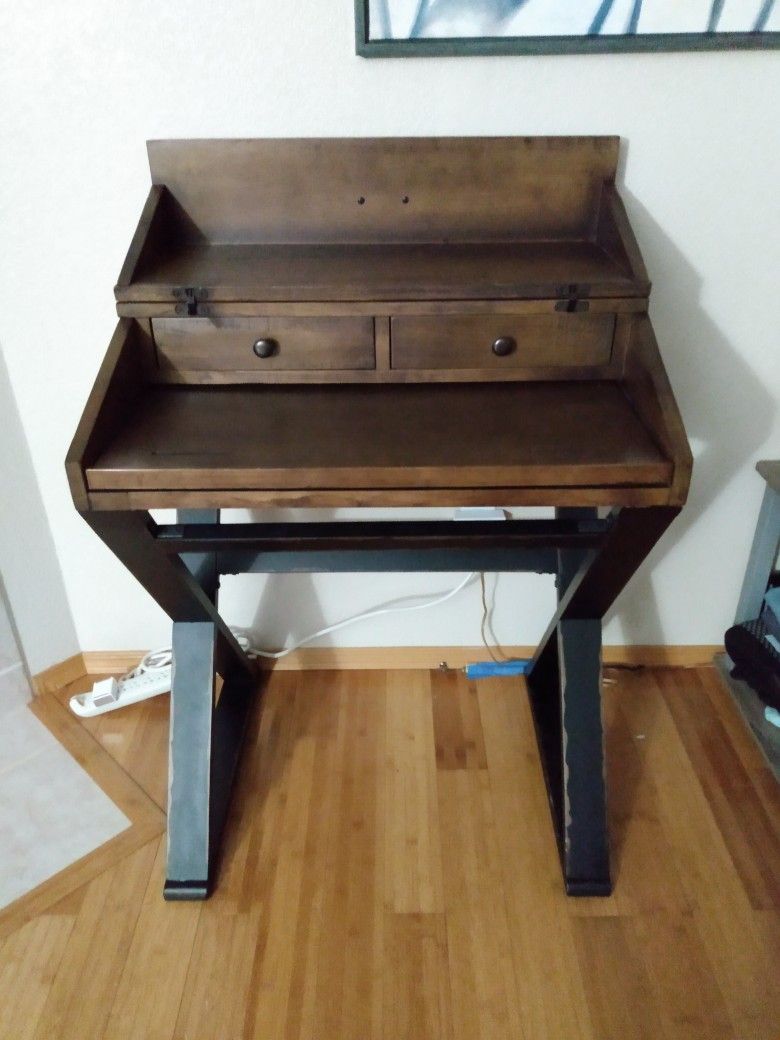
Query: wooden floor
[(390, 872)]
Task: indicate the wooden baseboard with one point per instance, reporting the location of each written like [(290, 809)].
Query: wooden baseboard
[(59, 675), (694, 655), (372, 657), (116, 662), (110, 662)]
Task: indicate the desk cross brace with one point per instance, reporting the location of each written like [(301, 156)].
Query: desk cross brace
[(180, 566)]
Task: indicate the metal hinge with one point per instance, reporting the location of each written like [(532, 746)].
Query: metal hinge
[(573, 302), (190, 301)]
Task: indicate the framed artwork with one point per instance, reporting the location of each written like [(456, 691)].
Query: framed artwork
[(388, 28)]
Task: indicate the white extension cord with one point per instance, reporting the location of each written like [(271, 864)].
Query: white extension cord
[(362, 617), (153, 675), (150, 678)]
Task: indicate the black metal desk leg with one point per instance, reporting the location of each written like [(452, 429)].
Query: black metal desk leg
[(206, 732), (130, 536), (189, 763), (202, 565), (565, 693), (584, 839), (205, 746), (200, 784), (190, 736)]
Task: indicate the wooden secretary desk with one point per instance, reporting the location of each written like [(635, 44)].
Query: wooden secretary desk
[(386, 322)]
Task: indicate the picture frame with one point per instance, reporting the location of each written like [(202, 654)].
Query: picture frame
[(373, 41)]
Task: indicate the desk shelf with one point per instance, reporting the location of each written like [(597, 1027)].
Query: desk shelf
[(411, 271), (497, 218)]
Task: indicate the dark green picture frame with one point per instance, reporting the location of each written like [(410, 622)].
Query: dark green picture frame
[(595, 44)]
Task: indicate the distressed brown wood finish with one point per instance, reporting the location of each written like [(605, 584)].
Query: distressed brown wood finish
[(298, 343), (387, 261), (418, 436), (469, 341), (457, 189), (110, 403)]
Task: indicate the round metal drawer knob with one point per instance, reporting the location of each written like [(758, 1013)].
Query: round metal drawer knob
[(504, 345), (265, 348)]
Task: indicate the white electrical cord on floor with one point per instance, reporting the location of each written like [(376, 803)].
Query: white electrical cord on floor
[(154, 674), (275, 655), (159, 659)]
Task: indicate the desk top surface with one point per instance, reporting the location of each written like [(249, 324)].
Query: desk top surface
[(413, 436)]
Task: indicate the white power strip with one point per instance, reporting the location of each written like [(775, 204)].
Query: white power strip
[(116, 693)]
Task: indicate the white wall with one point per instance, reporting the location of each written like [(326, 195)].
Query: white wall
[(38, 621), (84, 84), (14, 684)]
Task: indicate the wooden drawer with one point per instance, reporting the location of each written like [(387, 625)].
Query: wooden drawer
[(291, 343), (501, 341)]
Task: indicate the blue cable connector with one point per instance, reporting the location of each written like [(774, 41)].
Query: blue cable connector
[(486, 669)]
